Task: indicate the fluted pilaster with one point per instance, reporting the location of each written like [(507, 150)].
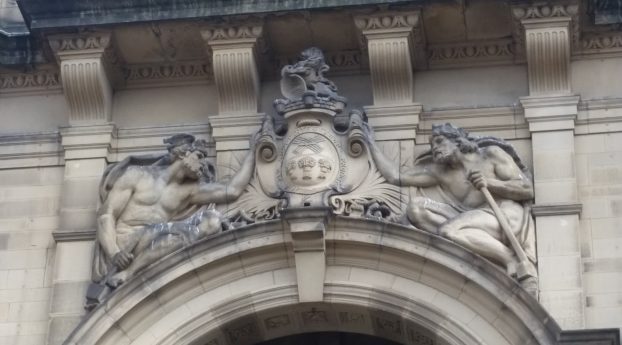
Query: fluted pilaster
[(551, 110), (548, 33), (84, 78), (389, 39), (390, 45), (235, 67)]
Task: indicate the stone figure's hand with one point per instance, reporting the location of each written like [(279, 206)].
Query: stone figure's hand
[(477, 179), (122, 259)]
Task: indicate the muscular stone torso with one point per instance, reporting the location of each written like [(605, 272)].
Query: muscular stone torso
[(153, 200), (455, 179)]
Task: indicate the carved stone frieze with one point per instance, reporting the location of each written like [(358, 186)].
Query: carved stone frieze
[(189, 72), (98, 41), (545, 11), (36, 81), (600, 45), (306, 162), (232, 33), (384, 21), (471, 53)]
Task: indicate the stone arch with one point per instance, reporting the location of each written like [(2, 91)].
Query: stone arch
[(387, 280)]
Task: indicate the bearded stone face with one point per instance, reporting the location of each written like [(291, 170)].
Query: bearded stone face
[(192, 165), (443, 149)]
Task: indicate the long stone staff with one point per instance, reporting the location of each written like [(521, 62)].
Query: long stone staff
[(524, 269)]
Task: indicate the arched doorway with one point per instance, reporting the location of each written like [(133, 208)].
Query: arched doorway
[(382, 280)]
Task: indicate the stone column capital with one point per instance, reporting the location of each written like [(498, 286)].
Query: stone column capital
[(81, 45), (391, 23), (532, 13), (226, 36)]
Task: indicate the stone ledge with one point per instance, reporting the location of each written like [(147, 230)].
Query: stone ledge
[(394, 122), (71, 236), (233, 132), (557, 209), (605, 336), (549, 113), (30, 150)]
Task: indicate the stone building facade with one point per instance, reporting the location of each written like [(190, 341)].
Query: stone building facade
[(93, 83)]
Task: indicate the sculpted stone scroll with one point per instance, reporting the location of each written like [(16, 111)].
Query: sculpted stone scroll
[(465, 169), (150, 203)]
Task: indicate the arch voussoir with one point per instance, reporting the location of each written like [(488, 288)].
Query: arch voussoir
[(386, 280)]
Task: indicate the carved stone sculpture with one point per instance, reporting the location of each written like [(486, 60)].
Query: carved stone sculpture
[(305, 81), (467, 170), (316, 161), (148, 204)]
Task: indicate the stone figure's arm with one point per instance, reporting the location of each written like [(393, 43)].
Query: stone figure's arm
[(110, 211), (510, 181), (222, 193), (418, 176)]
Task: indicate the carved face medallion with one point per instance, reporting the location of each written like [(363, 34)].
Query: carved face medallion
[(310, 163)]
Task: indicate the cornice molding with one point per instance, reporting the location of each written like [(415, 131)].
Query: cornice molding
[(148, 140), (156, 75), (473, 53), (72, 236), (599, 116), (30, 150), (92, 141), (30, 82), (397, 122), (557, 209), (506, 122), (548, 113), (598, 46), (233, 132)]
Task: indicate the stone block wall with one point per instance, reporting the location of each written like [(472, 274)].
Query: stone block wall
[(599, 178), (29, 209)]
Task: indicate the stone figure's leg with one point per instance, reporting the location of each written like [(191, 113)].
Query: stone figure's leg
[(479, 231), (161, 244), (428, 215)]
